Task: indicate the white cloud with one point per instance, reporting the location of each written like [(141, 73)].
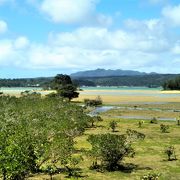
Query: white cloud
[(141, 45), (176, 49), (21, 42), (73, 12), (3, 26), (172, 14)]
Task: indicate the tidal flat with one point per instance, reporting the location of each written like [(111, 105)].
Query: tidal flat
[(130, 95)]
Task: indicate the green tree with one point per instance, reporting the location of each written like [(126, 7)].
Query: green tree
[(64, 87), (111, 149), (113, 125)]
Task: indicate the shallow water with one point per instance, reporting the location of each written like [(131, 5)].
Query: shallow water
[(102, 109)]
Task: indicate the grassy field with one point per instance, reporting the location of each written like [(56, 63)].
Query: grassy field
[(150, 156)]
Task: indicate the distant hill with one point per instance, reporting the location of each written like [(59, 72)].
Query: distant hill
[(150, 80), (107, 73)]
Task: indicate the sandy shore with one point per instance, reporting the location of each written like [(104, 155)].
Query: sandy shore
[(130, 96), (129, 99), (120, 96)]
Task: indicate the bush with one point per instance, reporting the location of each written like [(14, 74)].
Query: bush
[(113, 125), (35, 132), (154, 120), (151, 176), (93, 102), (111, 149), (164, 128), (95, 119), (170, 151), (140, 123)]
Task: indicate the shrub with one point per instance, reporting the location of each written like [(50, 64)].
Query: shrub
[(113, 125), (140, 123), (111, 149), (95, 119), (154, 120), (170, 151), (178, 121), (151, 176), (93, 102), (35, 132), (164, 128)]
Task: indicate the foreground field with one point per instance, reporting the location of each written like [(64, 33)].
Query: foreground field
[(44, 116), (150, 156)]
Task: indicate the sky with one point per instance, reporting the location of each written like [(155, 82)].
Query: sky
[(41, 38)]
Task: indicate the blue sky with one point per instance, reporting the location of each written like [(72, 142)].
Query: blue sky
[(46, 37)]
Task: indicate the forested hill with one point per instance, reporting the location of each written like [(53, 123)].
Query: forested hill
[(26, 82), (151, 80)]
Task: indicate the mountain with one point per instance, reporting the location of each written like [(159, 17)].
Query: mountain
[(106, 73)]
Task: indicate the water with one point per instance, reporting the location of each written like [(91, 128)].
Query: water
[(102, 109), (18, 90)]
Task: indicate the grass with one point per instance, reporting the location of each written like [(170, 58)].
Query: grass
[(150, 156)]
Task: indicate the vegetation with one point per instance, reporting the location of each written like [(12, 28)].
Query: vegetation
[(152, 80), (49, 138), (64, 87), (113, 125), (93, 102), (36, 133), (111, 149), (172, 84), (154, 120), (170, 151), (151, 176), (164, 128)]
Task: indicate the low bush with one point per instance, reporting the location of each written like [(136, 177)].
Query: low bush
[(93, 102), (170, 152), (154, 120), (164, 128), (111, 149)]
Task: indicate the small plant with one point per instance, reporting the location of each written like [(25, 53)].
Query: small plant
[(170, 151), (154, 120), (164, 128), (140, 123), (71, 166), (113, 125), (51, 170), (151, 176), (178, 121), (95, 119), (93, 102)]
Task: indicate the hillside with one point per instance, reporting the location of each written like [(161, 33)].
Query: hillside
[(154, 80)]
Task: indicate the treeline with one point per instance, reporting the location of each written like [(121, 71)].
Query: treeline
[(25, 82), (155, 80), (172, 84)]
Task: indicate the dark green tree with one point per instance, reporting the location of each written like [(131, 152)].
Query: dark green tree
[(64, 86)]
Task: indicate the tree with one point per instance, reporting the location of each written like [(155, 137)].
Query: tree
[(64, 86), (111, 149), (113, 125)]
